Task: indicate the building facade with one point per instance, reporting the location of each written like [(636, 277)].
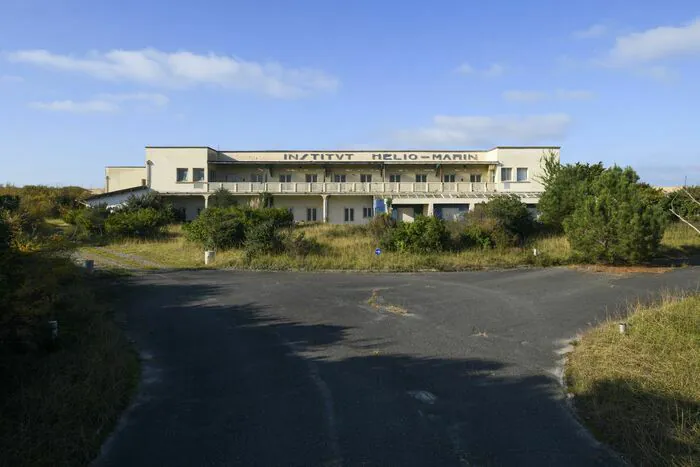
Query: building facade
[(338, 186)]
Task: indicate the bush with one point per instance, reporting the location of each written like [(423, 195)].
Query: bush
[(614, 222), (264, 238), (222, 198), (380, 225), (684, 204), (425, 234), (484, 233), (563, 187), (87, 221), (297, 244), (9, 202), (149, 200), (146, 222), (217, 228), (511, 213)]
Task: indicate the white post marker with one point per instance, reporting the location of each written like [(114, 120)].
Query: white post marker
[(623, 328), (209, 256), (534, 251)]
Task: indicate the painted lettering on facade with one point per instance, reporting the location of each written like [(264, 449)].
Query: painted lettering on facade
[(386, 156)]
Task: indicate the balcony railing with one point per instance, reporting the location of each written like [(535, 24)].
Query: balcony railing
[(351, 187)]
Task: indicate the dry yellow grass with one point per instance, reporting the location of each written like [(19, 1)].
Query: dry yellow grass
[(640, 391), (352, 248)]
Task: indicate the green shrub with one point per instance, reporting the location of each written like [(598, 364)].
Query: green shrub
[(511, 213), (614, 222), (426, 234), (563, 187), (265, 237), (146, 222), (217, 228), (380, 225), (87, 221), (296, 244), (149, 200), (9, 202), (222, 198), (682, 203)]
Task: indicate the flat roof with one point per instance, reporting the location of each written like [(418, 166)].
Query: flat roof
[(353, 150)]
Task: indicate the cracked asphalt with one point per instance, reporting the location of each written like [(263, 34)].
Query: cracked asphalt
[(253, 368)]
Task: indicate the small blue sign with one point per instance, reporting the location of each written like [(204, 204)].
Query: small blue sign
[(378, 251)]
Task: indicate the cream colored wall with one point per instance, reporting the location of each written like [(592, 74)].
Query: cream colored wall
[(299, 205), (119, 178), (337, 205), (531, 158), (166, 161)]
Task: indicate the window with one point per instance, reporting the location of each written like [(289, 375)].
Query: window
[(198, 175), (143, 182), (182, 175), (256, 178), (395, 178), (310, 214), (212, 176), (311, 178), (365, 178), (475, 178), (448, 178), (421, 178), (339, 178), (349, 215), (285, 178), (506, 174), (522, 174), (366, 212)]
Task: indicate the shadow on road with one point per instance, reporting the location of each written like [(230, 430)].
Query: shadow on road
[(245, 385)]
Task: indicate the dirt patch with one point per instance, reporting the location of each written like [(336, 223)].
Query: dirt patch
[(622, 270), (377, 302)]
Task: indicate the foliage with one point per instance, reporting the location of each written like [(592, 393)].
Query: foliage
[(684, 205), (478, 231), (217, 228), (9, 202), (264, 237), (297, 244), (511, 214), (87, 221), (143, 223), (380, 225), (614, 221), (149, 200), (564, 185), (222, 198), (426, 234), (43, 201)]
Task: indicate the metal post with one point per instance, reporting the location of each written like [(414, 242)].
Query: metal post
[(89, 265)]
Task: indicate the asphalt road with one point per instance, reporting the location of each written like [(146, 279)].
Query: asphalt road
[(244, 368)]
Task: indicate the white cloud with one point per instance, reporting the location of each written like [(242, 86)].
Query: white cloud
[(487, 131), (596, 30), (524, 96), (104, 103), (656, 44), (91, 106), (495, 69), (179, 69), (538, 96)]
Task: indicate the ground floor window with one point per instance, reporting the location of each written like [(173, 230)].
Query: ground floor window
[(421, 178), (339, 178), (285, 178), (310, 214), (366, 212), (475, 178), (349, 215), (365, 178), (448, 178), (394, 178), (311, 178)]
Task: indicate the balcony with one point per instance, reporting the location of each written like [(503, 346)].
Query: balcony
[(372, 188)]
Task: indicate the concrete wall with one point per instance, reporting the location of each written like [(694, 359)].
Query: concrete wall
[(120, 178), (299, 205), (337, 205), (191, 204), (530, 158), (166, 161), (116, 199)]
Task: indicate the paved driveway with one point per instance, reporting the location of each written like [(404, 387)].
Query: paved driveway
[(246, 368)]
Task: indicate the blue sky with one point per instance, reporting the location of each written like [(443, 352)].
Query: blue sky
[(85, 84)]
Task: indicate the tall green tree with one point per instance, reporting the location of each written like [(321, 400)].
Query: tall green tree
[(616, 219), (563, 187)]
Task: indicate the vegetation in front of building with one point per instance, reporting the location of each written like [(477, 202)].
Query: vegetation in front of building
[(67, 370), (639, 391)]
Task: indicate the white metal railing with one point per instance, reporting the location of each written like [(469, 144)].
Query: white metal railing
[(354, 187)]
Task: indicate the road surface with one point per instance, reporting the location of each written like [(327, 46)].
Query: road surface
[(436, 369)]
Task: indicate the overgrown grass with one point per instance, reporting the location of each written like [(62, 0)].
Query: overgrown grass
[(352, 248), (59, 401), (640, 392)]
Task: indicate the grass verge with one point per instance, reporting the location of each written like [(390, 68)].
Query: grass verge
[(352, 248), (59, 401), (639, 392)]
